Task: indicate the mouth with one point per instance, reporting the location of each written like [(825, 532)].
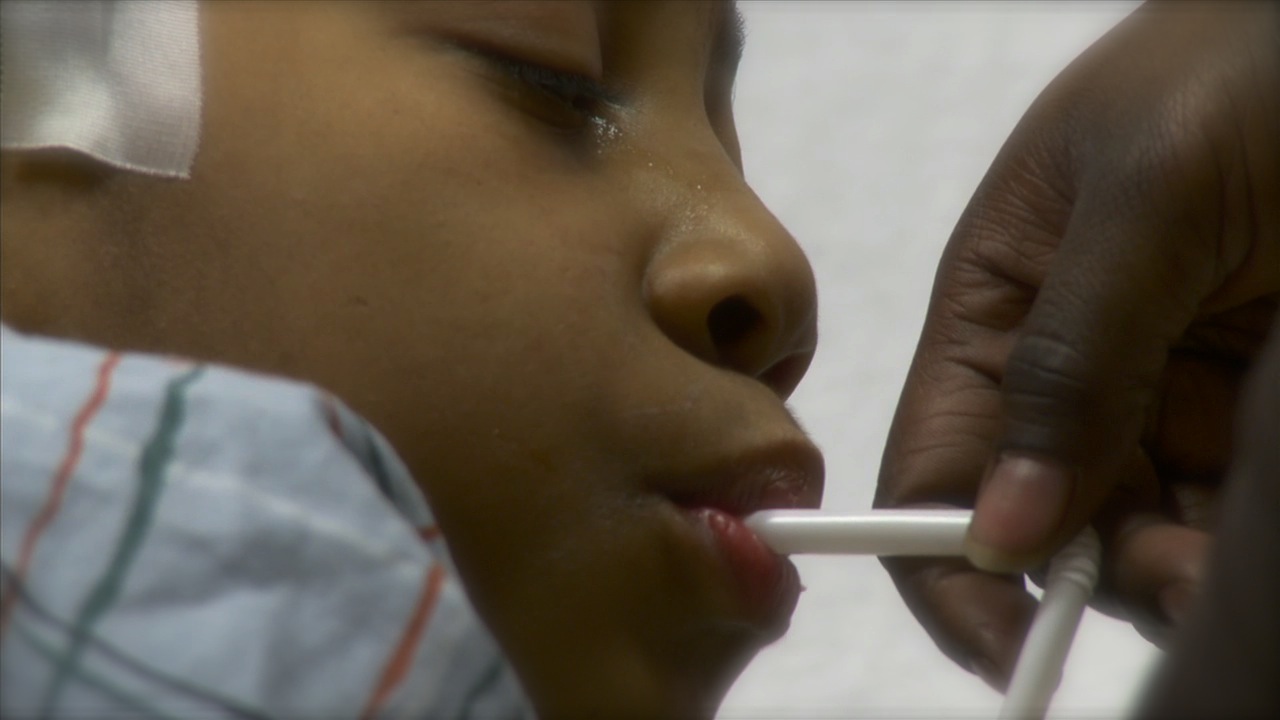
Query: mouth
[(775, 477)]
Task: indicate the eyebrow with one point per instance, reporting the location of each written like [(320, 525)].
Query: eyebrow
[(731, 35)]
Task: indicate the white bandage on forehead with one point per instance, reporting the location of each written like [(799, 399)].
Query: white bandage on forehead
[(118, 80)]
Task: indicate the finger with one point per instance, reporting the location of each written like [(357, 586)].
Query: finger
[(948, 417), (938, 444), (1193, 503), (1154, 528), (1152, 563), (1157, 567), (978, 619), (1226, 661), (1123, 284), (1188, 438), (1188, 429)]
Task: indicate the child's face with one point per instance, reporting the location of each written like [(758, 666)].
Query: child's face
[(569, 314)]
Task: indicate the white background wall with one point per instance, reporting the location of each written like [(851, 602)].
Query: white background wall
[(865, 127)]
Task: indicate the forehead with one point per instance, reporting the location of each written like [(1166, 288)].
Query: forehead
[(679, 33), (718, 24)]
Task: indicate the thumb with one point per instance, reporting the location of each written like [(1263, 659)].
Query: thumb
[(1120, 289)]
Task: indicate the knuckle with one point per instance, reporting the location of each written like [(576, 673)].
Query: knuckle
[(1042, 368), (1052, 397)]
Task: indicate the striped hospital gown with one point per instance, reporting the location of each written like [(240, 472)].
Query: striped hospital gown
[(186, 541)]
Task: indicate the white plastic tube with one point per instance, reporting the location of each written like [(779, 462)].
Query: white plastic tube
[(1073, 572), (881, 532)]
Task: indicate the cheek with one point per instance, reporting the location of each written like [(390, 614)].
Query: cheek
[(449, 268), (470, 287), (418, 205)]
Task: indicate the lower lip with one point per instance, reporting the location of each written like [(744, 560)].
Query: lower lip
[(767, 582)]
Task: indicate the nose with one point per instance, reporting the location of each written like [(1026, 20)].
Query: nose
[(732, 287)]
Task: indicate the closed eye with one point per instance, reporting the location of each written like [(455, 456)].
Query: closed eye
[(579, 91), (574, 99)]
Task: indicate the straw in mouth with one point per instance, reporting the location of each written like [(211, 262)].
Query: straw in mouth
[(880, 532), (1073, 573)]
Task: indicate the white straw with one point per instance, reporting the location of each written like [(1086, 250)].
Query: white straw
[(1073, 572), (881, 532)]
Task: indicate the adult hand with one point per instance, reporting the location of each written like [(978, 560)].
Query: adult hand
[(1225, 662), (1110, 282)]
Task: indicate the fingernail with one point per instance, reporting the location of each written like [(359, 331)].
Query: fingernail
[(986, 670), (1019, 508), (1176, 601)]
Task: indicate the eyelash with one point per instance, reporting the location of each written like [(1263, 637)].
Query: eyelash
[(584, 97)]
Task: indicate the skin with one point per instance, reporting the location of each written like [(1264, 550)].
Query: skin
[(1225, 661), (561, 321), (1109, 285)]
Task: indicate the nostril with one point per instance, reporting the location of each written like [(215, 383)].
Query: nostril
[(731, 322), (784, 375)]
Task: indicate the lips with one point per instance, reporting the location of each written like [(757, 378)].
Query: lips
[(784, 476), (781, 476), (766, 584)]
